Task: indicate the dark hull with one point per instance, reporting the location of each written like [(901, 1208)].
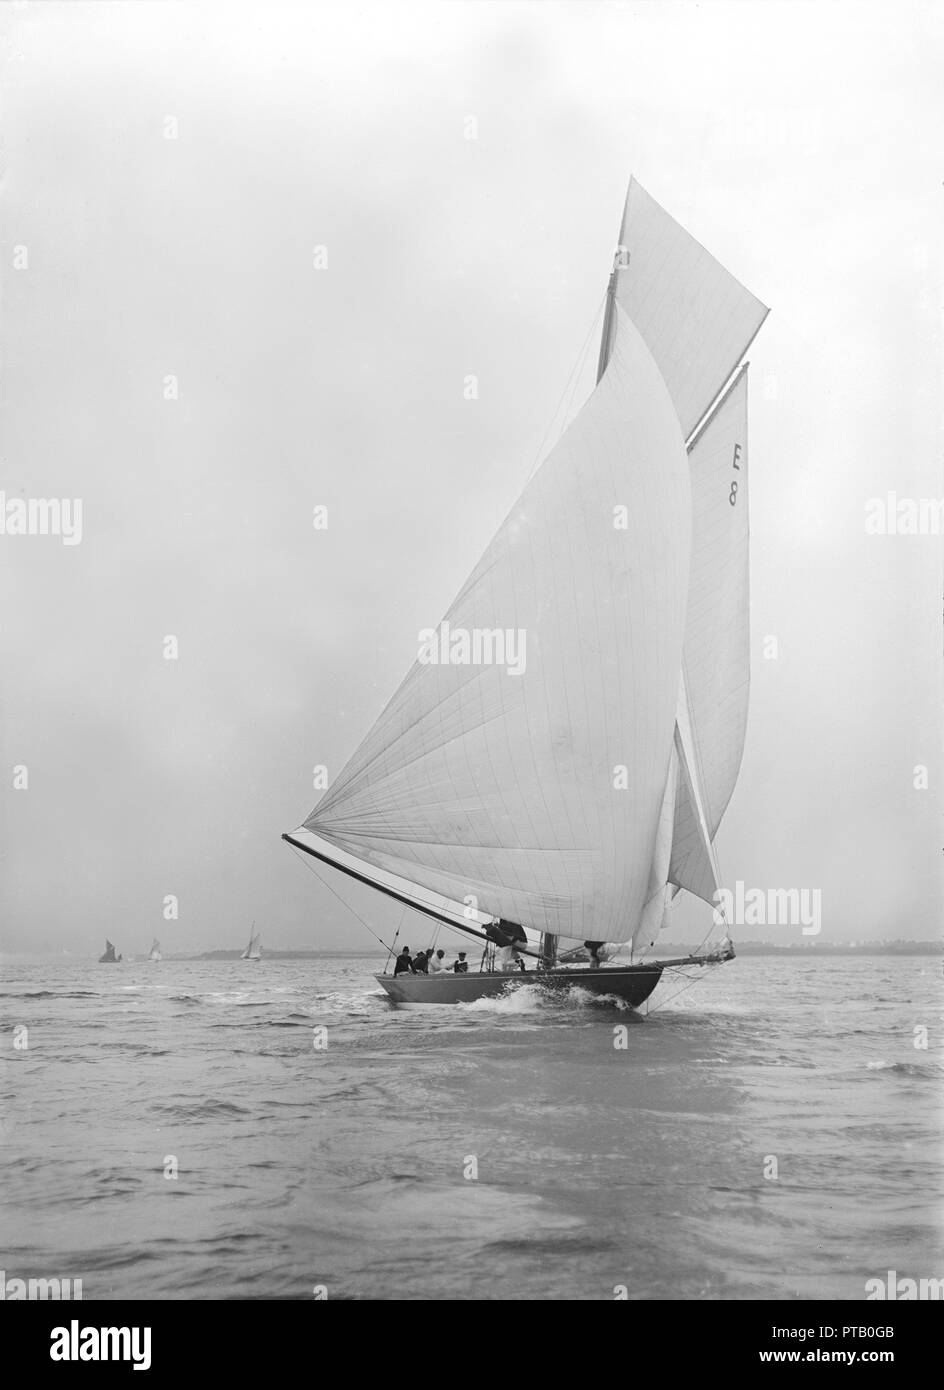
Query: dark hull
[(631, 983)]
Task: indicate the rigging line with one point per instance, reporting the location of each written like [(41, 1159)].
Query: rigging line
[(692, 980), (395, 936), (725, 924), (574, 375), (350, 909), (415, 906), (582, 360), (720, 908)]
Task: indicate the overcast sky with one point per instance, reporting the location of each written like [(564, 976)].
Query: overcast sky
[(799, 142)]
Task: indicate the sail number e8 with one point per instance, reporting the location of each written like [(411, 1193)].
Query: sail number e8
[(732, 495)]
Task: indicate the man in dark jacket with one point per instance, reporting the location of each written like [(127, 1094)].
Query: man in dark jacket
[(404, 963)]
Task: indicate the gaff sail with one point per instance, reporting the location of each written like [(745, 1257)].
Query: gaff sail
[(482, 784)]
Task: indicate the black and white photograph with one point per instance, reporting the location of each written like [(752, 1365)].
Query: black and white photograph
[(471, 538)]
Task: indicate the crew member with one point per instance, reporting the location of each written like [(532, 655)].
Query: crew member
[(404, 963)]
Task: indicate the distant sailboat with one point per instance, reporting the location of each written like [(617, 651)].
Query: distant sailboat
[(110, 957), (254, 950), (155, 951), (574, 794)]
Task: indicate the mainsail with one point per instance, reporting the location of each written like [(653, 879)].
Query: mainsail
[(505, 787), (254, 950), (155, 951), (567, 789)]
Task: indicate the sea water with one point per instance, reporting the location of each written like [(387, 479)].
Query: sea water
[(228, 1129)]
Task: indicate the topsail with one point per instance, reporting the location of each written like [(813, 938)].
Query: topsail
[(696, 319)]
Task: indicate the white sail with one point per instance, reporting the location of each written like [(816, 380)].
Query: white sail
[(654, 909), (716, 660), (716, 657), (155, 951), (696, 318), (698, 321), (480, 782), (254, 950), (693, 865)]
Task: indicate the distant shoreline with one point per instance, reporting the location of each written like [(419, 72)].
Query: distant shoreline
[(666, 948), (661, 948), (803, 949)]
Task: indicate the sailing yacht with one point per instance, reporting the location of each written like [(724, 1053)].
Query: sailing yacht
[(254, 950), (110, 957), (570, 795), (155, 951)]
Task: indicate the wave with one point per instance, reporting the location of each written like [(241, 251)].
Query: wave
[(906, 1068), (240, 999), (203, 1110), (55, 994), (350, 1002), (536, 999)]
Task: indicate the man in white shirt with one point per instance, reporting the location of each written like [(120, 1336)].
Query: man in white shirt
[(437, 962), (506, 958)]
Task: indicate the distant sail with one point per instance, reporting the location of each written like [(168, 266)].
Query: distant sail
[(254, 950), (695, 317), (478, 782), (109, 957), (155, 951)]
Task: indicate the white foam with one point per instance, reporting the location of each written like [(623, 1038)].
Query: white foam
[(531, 999), (526, 999)]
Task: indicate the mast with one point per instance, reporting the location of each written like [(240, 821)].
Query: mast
[(609, 313)]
